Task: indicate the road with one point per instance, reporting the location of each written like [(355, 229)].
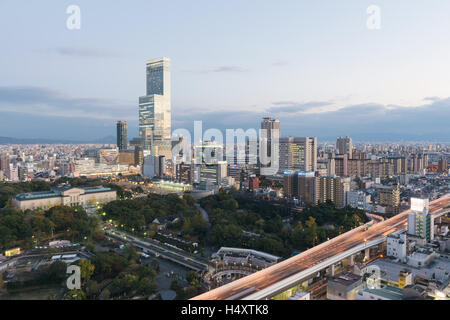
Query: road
[(262, 279), (175, 255), (204, 213)]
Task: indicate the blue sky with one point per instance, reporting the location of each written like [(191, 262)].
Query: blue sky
[(313, 64)]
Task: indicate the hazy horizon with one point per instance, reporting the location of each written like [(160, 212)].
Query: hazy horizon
[(317, 68)]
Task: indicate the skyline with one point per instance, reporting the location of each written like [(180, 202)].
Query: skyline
[(325, 75)]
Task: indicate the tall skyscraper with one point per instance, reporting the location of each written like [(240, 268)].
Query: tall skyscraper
[(155, 110), (122, 135), (269, 157), (270, 125)]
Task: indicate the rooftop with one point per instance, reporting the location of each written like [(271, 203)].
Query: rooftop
[(57, 192), (388, 292), (346, 279)]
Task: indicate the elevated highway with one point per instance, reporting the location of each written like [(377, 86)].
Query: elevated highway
[(286, 274)]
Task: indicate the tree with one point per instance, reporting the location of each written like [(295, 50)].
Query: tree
[(146, 286), (57, 271), (190, 200), (191, 276), (92, 288), (105, 294), (87, 269)]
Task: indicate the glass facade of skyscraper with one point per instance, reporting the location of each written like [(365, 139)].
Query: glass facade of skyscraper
[(155, 109)]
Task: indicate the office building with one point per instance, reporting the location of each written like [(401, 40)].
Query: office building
[(138, 155), (154, 166), (442, 165), (344, 146), (273, 129), (299, 154), (155, 110), (185, 173), (358, 199), (4, 162), (122, 142), (213, 173)]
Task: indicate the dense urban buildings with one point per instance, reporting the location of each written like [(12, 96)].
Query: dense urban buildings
[(378, 210)]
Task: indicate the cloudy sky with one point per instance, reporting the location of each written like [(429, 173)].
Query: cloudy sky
[(315, 65)]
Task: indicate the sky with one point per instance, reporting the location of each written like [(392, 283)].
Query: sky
[(315, 65)]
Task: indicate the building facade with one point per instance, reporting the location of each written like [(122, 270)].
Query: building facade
[(155, 109), (122, 142), (64, 196)]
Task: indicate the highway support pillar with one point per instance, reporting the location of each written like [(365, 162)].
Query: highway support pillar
[(351, 260), (367, 254), (332, 270)]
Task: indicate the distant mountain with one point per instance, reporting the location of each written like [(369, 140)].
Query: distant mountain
[(9, 140)]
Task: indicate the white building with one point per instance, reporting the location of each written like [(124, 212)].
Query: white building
[(358, 199), (12, 173), (420, 221), (397, 245)]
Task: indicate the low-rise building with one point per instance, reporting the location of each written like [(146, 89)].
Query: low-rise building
[(64, 195), (344, 286), (386, 293)]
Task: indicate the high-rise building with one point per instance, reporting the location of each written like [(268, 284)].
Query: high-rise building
[(442, 165), (298, 154), (185, 173), (332, 188), (12, 174), (272, 126), (311, 189), (122, 143), (344, 146), (4, 162), (213, 173), (154, 166), (420, 220), (138, 155), (155, 109), (389, 197)]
